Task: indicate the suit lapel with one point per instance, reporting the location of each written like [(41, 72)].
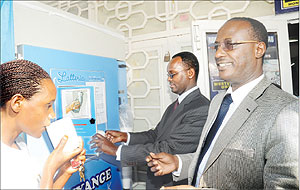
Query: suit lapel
[(209, 123), (212, 116), (213, 112), (172, 115), (241, 114)]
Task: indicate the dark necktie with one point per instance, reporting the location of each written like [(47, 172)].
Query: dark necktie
[(212, 132), (175, 105)]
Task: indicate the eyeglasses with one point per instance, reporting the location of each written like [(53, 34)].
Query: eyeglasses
[(171, 75), (227, 45)]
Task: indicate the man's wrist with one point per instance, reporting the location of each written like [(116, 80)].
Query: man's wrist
[(176, 162), (178, 166), (115, 149), (125, 137)]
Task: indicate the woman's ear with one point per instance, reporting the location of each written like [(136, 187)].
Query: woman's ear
[(260, 50), (16, 102)]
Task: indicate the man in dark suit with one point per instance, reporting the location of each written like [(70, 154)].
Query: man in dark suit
[(256, 144), (180, 127)]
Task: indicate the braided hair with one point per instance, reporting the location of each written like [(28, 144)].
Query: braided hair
[(20, 77)]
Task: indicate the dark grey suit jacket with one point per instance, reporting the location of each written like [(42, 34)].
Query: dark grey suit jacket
[(258, 146), (178, 132)]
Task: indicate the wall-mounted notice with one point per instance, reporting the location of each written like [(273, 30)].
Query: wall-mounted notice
[(81, 95), (100, 101), (285, 6)]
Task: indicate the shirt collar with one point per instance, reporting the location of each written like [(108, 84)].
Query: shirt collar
[(185, 94), (239, 94)]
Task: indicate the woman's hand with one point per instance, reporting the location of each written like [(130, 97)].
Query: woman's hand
[(58, 157), (67, 168), (56, 160)]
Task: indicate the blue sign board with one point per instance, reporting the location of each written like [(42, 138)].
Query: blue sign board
[(98, 175), (87, 89)]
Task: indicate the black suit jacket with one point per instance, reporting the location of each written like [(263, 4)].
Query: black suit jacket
[(178, 132)]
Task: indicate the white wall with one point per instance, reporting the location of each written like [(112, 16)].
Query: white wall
[(41, 25), (151, 31)]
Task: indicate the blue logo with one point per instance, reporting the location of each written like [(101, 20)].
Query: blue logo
[(95, 181), (64, 77)]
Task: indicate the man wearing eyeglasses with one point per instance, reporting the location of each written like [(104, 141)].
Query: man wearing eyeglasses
[(254, 145), (180, 127)]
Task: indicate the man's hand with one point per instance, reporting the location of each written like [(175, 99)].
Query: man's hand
[(116, 136), (103, 145), (162, 163)]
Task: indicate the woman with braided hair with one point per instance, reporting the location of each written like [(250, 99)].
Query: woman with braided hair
[(27, 96)]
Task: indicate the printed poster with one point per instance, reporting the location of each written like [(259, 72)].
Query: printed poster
[(76, 103)]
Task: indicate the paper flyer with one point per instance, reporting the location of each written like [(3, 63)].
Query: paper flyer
[(58, 129)]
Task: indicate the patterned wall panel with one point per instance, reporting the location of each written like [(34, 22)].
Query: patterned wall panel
[(144, 88), (142, 17), (147, 19)]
